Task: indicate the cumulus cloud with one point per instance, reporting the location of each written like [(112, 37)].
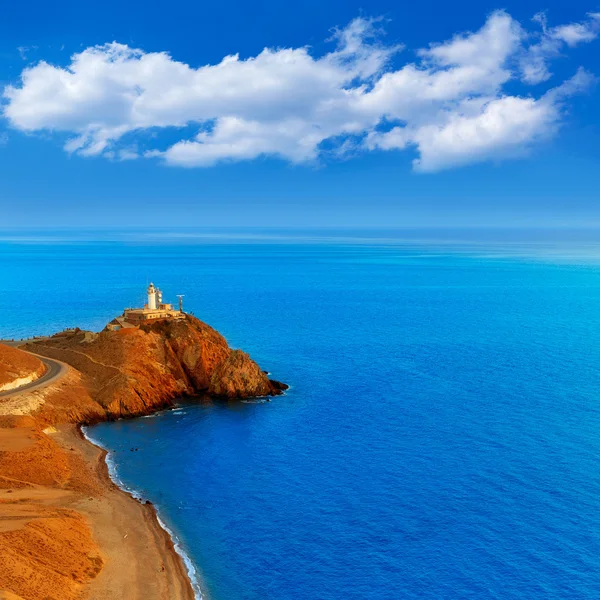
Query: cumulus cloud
[(482, 130), (449, 103)]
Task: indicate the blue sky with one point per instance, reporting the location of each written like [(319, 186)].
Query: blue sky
[(391, 114)]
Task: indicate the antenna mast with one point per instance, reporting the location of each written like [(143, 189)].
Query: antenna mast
[(180, 296)]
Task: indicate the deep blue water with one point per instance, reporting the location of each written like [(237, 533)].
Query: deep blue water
[(441, 439)]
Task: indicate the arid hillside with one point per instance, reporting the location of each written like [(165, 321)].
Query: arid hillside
[(17, 368)]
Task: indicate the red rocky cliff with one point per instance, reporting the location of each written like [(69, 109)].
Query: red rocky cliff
[(136, 370)]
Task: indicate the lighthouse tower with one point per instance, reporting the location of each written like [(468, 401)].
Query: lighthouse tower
[(153, 297), (154, 309)]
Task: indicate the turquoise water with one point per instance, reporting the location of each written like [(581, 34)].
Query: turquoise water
[(441, 438)]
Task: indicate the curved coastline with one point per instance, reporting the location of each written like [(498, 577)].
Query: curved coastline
[(124, 547), (174, 544)]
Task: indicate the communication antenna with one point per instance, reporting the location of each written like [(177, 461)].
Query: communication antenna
[(180, 296)]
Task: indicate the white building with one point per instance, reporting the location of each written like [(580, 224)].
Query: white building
[(154, 309)]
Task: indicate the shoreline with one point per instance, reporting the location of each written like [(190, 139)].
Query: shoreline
[(128, 531), (59, 487), (173, 543)]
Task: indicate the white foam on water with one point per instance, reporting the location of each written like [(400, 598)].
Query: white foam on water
[(113, 474), (187, 561)]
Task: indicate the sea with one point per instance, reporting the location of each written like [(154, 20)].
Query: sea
[(441, 435)]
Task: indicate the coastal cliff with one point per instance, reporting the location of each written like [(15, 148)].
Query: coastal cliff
[(66, 531), (134, 371)]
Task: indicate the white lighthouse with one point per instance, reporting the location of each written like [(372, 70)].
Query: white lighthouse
[(154, 309), (153, 294)]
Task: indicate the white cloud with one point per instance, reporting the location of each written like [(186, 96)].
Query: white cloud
[(24, 50), (480, 130), (501, 127), (534, 60), (450, 104), (576, 33)]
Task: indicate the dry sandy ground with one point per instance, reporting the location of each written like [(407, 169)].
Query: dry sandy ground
[(66, 531), (16, 366), (81, 537)]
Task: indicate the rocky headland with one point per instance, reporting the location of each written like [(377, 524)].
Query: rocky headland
[(134, 371), (66, 531)]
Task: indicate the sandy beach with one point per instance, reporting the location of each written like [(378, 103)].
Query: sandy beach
[(128, 533)]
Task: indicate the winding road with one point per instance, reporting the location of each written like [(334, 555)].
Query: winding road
[(54, 371)]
